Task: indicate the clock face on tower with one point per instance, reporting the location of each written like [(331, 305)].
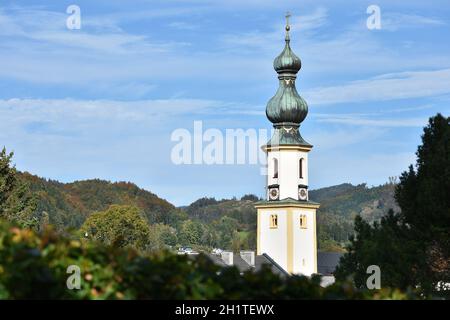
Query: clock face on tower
[(274, 193), (302, 193)]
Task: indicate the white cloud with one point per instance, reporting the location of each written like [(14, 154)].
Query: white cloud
[(353, 50), (273, 39), (141, 110), (396, 21), (96, 33), (103, 53), (359, 121), (182, 25), (404, 85)]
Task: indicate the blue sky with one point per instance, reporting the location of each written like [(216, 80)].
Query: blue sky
[(102, 101)]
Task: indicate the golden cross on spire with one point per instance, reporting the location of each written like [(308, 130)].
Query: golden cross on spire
[(288, 27), (288, 15)]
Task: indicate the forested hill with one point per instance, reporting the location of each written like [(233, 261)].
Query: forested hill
[(339, 206), (69, 204), (347, 200)]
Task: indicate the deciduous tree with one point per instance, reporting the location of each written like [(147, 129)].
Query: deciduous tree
[(120, 226)]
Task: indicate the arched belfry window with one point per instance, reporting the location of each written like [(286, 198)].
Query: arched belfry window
[(300, 168), (275, 168)]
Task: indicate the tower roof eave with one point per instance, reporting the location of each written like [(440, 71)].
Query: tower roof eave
[(287, 136)]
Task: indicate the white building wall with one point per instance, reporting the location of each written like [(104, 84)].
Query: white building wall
[(305, 245), (288, 171), (273, 241)]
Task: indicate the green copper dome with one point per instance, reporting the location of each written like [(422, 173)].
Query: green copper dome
[(287, 106), (286, 109), (287, 61)]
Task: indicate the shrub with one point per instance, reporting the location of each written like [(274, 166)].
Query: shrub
[(34, 266)]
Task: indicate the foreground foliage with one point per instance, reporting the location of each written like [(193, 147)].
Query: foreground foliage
[(34, 266)]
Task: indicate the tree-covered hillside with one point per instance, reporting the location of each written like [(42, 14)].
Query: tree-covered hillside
[(339, 206), (226, 223), (233, 220), (68, 205)]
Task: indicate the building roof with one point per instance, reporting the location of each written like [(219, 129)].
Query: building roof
[(243, 266), (240, 263), (327, 262), (287, 136), (266, 259), (216, 259)]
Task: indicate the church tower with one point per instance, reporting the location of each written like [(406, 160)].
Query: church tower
[(287, 218)]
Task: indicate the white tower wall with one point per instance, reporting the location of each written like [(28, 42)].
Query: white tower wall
[(288, 171), (273, 241), (305, 245), (294, 248)]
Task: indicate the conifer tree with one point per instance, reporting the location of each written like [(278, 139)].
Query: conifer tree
[(16, 202), (412, 248)]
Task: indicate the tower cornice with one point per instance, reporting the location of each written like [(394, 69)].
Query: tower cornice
[(287, 203), (274, 148)]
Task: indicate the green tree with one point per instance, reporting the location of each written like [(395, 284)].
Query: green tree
[(175, 217), (251, 240), (16, 202), (190, 233), (166, 235), (380, 244), (209, 236), (249, 197), (412, 248), (226, 227), (236, 242), (424, 197), (120, 226), (195, 233)]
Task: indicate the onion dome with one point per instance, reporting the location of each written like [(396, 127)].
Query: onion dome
[(287, 61), (287, 109), (287, 105)]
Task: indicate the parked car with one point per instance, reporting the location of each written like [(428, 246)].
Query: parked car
[(186, 250)]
